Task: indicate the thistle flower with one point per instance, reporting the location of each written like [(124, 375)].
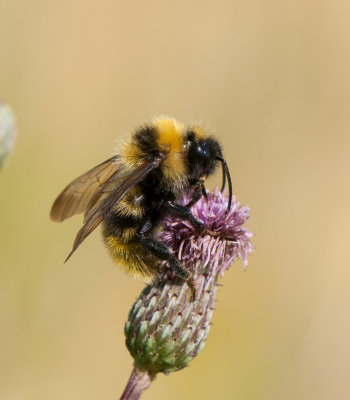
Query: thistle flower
[(165, 330), (7, 131)]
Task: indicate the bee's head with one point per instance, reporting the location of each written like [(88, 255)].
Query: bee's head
[(204, 155)]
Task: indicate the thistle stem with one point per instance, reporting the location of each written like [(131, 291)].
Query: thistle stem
[(138, 382)]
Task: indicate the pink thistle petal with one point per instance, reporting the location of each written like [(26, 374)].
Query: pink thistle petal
[(218, 253)]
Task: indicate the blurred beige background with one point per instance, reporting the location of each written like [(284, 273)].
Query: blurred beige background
[(272, 79)]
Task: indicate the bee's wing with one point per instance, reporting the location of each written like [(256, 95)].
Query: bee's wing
[(105, 191), (97, 213), (77, 196)]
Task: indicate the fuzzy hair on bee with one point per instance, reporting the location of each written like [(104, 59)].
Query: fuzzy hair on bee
[(131, 193)]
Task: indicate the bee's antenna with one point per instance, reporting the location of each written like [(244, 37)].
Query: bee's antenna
[(223, 178), (226, 172)]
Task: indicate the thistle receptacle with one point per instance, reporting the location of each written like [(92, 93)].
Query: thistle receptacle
[(165, 330)]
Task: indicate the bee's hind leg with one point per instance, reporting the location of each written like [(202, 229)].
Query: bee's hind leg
[(162, 252)]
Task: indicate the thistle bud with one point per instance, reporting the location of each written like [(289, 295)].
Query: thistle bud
[(165, 330)]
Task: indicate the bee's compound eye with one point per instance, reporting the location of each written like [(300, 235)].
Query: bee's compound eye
[(202, 150)]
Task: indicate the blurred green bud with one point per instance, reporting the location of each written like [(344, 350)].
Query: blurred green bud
[(8, 131)]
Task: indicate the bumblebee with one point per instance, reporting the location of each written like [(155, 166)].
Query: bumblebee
[(130, 194)]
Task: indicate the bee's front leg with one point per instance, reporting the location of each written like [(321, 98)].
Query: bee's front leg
[(184, 213), (198, 192)]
